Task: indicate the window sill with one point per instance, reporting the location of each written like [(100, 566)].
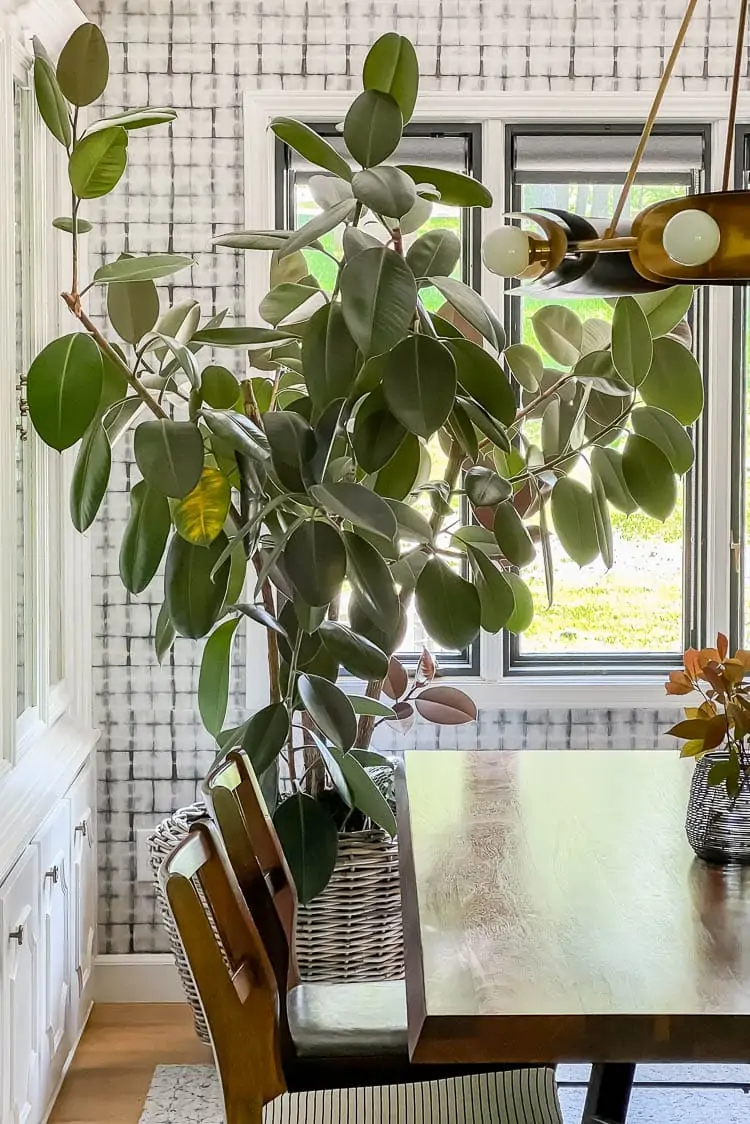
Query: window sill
[(568, 692), (30, 791)]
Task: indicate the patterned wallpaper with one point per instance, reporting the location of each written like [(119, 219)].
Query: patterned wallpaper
[(200, 58)]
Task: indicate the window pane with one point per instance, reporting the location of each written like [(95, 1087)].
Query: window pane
[(636, 607)]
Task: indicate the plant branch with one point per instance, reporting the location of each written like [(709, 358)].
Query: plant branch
[(74, 305), (76, 202), (521, 414)]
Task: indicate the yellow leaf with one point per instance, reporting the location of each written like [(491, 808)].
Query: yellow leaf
[(692, 748), (734, 671), (201, 515)]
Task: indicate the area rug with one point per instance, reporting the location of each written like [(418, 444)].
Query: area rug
[(181, 1094)]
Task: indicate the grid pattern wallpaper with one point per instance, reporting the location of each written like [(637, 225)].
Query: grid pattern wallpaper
[(187, 180)]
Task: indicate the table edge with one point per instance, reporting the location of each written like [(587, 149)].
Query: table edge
[(416, 1005)]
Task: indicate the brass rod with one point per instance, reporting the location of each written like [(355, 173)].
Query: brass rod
[(741, 26), (648, 127), (604, 245)]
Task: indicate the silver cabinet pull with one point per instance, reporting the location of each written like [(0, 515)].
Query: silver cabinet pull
[(83, 827), (53, 874), (17, 935)]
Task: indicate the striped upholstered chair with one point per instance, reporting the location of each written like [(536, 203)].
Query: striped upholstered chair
[(238, 991)]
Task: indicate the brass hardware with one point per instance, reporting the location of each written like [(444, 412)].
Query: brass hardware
[(736, 548), (23, 434), (53, 874), (17, 935)]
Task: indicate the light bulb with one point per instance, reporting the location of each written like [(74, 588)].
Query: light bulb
[(507, 251), (691, 237)]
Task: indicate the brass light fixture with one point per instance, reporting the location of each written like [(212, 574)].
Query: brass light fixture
[(699, 239)]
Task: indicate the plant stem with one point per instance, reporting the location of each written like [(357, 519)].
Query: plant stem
[(74, 215), (521, 414), (134, 383), (366, 724)]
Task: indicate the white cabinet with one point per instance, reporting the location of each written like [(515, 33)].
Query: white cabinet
[(56, 948), (21, 964), (83, 889)]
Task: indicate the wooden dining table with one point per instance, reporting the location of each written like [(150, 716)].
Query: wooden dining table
[(554, 912)]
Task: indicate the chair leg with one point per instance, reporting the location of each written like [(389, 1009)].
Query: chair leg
[(243, 1111), (608, 1096)]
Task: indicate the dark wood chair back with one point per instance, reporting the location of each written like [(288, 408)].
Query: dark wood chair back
[(232, 972), (237, 806)]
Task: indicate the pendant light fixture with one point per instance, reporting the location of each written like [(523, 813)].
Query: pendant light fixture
[(699, 239)]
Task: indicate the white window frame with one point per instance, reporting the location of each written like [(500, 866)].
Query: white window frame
[(58, 625), (494, 112)]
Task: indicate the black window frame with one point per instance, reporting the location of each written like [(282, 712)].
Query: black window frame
[(738, 433), (515, 663), (466, 662)]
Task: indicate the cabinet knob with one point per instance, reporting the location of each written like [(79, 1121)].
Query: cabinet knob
[(83, 828), (53, 874), (17, 935)]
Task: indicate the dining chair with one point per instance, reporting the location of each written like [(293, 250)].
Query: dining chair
[(238, 990)]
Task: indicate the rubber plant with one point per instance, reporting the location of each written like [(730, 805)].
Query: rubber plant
[(362, 454)]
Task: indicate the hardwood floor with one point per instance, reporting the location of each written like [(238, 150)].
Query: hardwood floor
[(112, 1070)]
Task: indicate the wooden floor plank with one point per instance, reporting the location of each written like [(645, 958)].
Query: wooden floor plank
[(115, 1061)]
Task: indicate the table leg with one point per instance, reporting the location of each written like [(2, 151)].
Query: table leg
[(609, 1091)]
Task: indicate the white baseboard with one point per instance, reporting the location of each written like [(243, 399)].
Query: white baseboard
[(140, 978)]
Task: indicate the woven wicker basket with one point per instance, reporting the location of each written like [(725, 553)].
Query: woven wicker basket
[(353, 931)]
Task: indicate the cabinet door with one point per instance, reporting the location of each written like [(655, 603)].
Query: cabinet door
[(54, 855), (83, 887), (19, 901)]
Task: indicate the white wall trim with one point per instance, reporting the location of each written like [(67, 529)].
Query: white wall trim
[(137, 978)]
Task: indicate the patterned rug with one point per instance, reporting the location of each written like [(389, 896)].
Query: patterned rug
[(190, 1095)]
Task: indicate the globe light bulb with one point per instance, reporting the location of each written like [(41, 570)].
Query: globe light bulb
[(691, 237), (507, 251)]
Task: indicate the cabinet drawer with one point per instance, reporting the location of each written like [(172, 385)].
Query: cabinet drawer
[(82, 800), (55, 894)]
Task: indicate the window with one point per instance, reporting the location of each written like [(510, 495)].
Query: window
[(457, 148), (740, 434), (639, 614)]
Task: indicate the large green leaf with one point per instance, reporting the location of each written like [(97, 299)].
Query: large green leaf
[(131, 119), (486, 424), (674, 381), (602, 521), (420, 383), (366, 796), (49, 98), (133, 309), (606, 466), (456, 189), (213, 681), (169, 455), (664, 431), (293, 447), (315, 562), (391, 66), (164, 634), (201, 515), (329, 709), (666, 308), (83, 65), (239, 432), (311, 145), (147, 268), (377, 434), (434, 254), (63, 389), (412, 525), (482, 377), (219, 387), (385, 191), (372, 581), (145, 537), (477, 538), (194, 598), (379, 299), (512, 537), (329, 356), (649, 477), (573, 516), (372, 127), (448, 605), (90, 476), (82, 226), (358, 504), (310, 840), (285, 299), (265, 735), (523, 613), (397, 478), (97, 163), (632, 347), (560, 332), (526, 365), (357, 654), (495, 593), (471, 306), (316, 227), (485, 488)]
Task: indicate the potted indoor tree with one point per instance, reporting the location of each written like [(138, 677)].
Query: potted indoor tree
[(363, 456)]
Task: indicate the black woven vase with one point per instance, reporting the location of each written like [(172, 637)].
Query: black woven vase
[(717, 825)]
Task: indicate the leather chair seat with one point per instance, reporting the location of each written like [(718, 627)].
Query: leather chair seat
[(348, 1019)]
